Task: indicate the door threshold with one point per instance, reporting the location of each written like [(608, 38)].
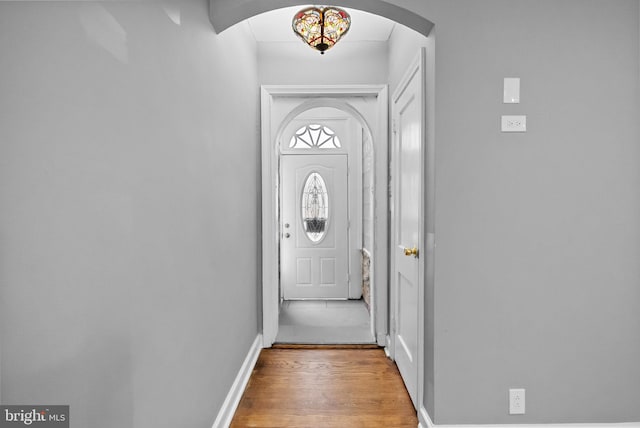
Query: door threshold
[(325, 346)]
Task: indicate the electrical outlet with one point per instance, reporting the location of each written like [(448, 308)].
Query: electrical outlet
[(516, 401), (514, 123)]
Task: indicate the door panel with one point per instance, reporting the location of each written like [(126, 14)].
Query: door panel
[(314, 226), (408, 117), (407, 334), (303, 273)]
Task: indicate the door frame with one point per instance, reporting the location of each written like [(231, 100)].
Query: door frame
[(273, 120), (425, 246)]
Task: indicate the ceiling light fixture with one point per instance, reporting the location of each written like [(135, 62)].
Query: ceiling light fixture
[(321, 27)]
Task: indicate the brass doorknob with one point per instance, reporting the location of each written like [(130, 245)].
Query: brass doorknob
[(411, 252)]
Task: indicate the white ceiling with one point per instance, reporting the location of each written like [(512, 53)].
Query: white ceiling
[(275, 26)]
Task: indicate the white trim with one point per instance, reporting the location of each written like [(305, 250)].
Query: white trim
[(355, 209), (568, 425), (611, 425), (339, 96), (387, 347), (228, 409), (269, 231), (322, 91), (426, 422)]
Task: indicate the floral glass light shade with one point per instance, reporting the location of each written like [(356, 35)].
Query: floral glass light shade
[(321, 27)]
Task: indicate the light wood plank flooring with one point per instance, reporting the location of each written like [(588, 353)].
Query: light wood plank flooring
[(326, 388)]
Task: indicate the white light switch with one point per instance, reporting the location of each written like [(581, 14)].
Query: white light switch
[(514, 123), (511, 90)]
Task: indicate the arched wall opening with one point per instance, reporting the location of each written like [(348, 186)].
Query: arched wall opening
[(226, 13), (332, 103), (348, 123)]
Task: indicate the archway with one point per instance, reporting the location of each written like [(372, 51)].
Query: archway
[(325, 281), (225, 13)]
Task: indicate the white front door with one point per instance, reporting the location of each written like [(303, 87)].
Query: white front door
[(408, 131), (314, 227)]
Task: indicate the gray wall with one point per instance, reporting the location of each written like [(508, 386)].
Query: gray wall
[(129, 193), (292, 63), (538, 234)]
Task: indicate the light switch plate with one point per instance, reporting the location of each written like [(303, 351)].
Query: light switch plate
[(514, 123), (511, 90)]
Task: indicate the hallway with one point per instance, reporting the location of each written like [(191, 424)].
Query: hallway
[(326, 387), (138, 209)]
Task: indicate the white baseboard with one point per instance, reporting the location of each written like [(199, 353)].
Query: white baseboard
[(382, 339), (387, 347), (424, 421), (228, 409)]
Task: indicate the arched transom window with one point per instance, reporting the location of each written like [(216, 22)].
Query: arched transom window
[(314, 136)]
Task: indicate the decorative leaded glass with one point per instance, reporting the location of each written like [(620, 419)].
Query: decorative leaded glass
[(314, 136), (321, 28), (315, 207)]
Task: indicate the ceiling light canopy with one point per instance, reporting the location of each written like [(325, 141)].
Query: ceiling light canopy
[(321, 27)]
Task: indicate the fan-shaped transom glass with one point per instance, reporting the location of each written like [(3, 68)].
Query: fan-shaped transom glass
[(314, 136), (315, 207)]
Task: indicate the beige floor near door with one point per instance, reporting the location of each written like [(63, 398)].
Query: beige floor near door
[(324, 322)]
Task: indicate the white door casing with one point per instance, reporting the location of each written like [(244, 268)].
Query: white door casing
[(407, 266), (279, 106), (314, 265)]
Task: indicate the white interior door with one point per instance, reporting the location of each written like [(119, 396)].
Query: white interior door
[(408, 131), (314, 227)]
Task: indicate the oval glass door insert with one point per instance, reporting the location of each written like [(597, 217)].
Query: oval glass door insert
[(315, 207)]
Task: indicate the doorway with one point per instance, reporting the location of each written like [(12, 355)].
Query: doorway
[(306, 270), (321, 230), (408, 241)]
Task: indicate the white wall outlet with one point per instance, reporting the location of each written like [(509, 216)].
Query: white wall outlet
[(516, 401), (514, 123)]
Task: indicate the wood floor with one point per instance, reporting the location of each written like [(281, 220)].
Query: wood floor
[(325, 388)]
